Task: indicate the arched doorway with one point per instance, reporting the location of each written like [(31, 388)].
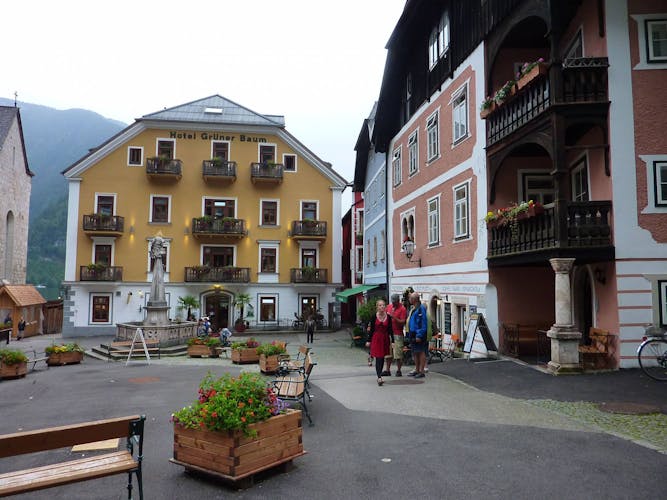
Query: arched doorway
[(583, 302), (218, 306)]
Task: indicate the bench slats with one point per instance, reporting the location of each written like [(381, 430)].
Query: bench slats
[(66, 472), (67, 435), (292, 386)]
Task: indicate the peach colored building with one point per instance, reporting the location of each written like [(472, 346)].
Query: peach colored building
[(549, 213)]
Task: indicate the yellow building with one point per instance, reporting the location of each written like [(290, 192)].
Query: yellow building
[(243, 206)]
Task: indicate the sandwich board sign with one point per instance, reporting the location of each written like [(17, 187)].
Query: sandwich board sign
[(479, 342)]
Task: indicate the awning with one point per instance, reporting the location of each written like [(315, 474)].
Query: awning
[(346, 294)]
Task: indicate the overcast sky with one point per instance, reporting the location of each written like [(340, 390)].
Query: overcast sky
[(317, 63)]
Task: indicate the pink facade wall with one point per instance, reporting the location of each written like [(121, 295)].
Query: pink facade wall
[(525, 295), (450, 156), (586, 19), (648, 94)]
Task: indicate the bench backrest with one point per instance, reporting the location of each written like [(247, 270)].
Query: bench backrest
[(69, 435), (308, 365)]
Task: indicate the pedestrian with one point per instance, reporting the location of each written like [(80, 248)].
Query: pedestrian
[(398, 314), (380, 337), (21, 329), (417, 333), (309, 326), (8, 320)]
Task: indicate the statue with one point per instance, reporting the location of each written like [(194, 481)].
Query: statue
[(157, 308)]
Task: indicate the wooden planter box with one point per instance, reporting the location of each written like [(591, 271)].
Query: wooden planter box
[(268, 364), (199, 350), (247, 355), (13, 371), (537, 70), (233, 456), (64, 358)]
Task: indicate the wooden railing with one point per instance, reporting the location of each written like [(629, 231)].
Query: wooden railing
[(583, 81), (103, 223), (312, 228), (218, 226), (308, 275), (222, 274), (100, 273), (587, 226)]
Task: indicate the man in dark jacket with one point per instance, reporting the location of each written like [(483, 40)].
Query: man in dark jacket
[(417, 333)]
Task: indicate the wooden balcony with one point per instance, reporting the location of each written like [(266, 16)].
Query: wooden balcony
[(583, 87), (309, 230), (225, 274), (103, 225), (212, 227), (308, 275), (163, 168), (219, 170), (584, 233), (270, 173), (99, 272)]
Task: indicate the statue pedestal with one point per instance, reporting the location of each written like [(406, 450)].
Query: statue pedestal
[(564, 349), (157, 314)]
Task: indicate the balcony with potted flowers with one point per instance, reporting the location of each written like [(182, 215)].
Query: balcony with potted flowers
[(308, 275), (163, 167), (217, 274), (219, 171), (218, 227), (103, 225), (266, 172), (308, 229)]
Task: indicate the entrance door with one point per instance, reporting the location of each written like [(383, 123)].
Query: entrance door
[(308, 305), (217, 307)]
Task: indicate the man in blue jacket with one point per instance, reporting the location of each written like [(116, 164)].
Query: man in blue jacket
[(417, 333)]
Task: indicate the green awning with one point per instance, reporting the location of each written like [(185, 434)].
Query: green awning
[(346, 294)]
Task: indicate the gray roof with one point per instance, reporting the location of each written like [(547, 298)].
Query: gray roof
[(7, 115), (216, 109)]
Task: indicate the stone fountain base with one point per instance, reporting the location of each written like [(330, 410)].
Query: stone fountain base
[(170, 334)]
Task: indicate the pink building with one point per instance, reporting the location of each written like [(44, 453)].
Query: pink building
[(549, 215)]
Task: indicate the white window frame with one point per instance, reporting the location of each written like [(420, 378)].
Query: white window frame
[(413, 153), (261, 211), (460, 114), (296, 159), (90, 308), (658, 181), (653, 203), (577, 41), (213, 198), (263, 296), (433, 216), (443, 34), (650, 24), (433, 136), (407, 226), (141, 161), (317, 208), (264, 144), (662, 297), (396, 166), (158, 140), (268, 245), (104, 240), (643, 38), (579, 166), (112, 195), (523, 178), (229, 148), (459, 206), (150, 208)]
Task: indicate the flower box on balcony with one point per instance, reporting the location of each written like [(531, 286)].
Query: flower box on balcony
[(539, 68)]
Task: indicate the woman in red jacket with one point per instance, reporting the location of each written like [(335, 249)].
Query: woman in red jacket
[(380, 337)]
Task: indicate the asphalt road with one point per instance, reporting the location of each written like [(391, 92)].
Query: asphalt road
[(471, 431)]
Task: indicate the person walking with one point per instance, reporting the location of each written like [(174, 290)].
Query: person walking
[(21, 329), (310, 329), (380, 337), (398, 314), (417, 333)]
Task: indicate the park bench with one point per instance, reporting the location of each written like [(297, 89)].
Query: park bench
[(287, 364), (123, 347), (83, 469), (599, 348), (293, 386)]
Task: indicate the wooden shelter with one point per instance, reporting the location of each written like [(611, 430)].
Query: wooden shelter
[(22, 301)]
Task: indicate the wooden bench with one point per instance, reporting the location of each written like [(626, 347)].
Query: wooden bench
[(294, 386), (72, 471), (599, 347), (123, 347), (287, 364)]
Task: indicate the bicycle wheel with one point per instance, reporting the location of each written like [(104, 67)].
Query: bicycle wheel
[(653, 359)]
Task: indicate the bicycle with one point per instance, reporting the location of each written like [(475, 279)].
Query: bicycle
[(652, 353)]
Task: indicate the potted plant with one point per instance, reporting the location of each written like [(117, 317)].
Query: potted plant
[(529, 71), (269, 356), (204, 346), (188, 302), (504, 92), (64, 354), (235, 427), (245, 352), (13, 363), (487, 107)]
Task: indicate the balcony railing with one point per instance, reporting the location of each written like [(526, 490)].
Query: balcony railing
[(219, 170), (163, 167), (308, 275), (219, 274), (99, 272), (218, 226), (266, 172), (311, 229), (583, 80), (587, 226), (101, 223)]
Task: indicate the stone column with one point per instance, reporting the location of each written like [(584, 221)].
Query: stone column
[(563, 334)]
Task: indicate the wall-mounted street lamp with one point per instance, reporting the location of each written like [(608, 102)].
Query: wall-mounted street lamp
[(409, 250)]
